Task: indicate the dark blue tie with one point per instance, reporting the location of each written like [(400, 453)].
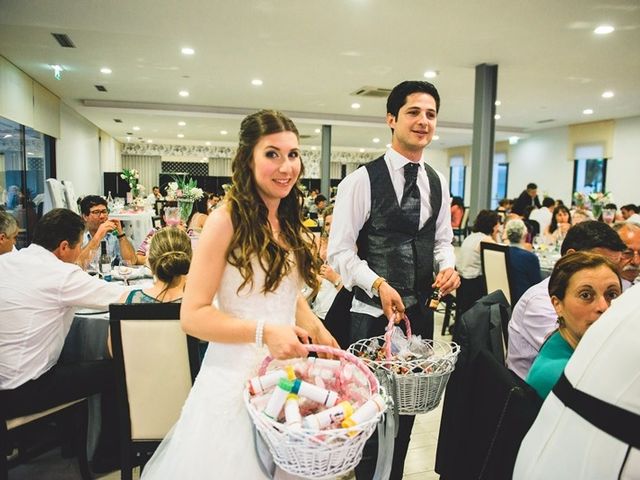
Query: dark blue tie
[(410, 203)]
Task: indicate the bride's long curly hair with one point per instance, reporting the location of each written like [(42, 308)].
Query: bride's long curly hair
[(252, 234)]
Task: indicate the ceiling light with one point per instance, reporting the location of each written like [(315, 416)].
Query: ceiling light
[(388, 145), (497, 116), (128, 139), (376, 140), (362, 150), (587, 111), (603, 30), (136, 128), (181, 135), (317, 130), (8, 135), (498, 103), (256, 81), (182, 124), (207, 143), (105, 70), (57, 71), (29, 153), (430, 74), (223, 132), (149, 141), (183, 93), (355, 106), (314, 148), (436, 137), (607, 94), (188, 51), (513, 140)]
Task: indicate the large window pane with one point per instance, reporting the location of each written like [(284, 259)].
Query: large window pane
[(499, 179), (456, 176), (11, 179), (589, 175)]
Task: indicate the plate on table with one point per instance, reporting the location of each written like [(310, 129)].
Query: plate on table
[(136, 272)]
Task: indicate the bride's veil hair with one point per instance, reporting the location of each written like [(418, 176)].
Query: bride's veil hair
[(252, 235)]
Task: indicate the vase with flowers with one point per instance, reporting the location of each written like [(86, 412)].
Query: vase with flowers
[(185, 192), (132, 177), (598, 201)]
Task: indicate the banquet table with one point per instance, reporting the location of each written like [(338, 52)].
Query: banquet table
[(136, 224), (547, 261)]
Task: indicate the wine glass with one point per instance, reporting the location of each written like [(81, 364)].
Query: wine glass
[(536, 242), (125, 270), (172, 216)]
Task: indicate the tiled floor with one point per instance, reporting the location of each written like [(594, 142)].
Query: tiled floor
[(418, 466)]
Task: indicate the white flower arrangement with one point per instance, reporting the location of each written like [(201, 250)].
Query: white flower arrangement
[(180, 189)]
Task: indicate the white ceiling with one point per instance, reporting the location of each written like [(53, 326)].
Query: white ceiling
[(311, 55)]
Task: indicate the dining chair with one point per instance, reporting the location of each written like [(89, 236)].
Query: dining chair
[(70, 196), (54, 195), (461, 232), (27, 433), (496, 268), (156, 364)]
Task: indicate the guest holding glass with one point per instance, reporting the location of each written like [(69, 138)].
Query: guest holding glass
[(582, 286), (559, 226)]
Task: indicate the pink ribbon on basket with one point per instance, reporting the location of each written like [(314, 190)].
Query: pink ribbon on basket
[(336, 352), (389, 331)]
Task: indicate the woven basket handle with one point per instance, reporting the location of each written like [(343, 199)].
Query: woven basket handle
[(336, 352), (389, 331)]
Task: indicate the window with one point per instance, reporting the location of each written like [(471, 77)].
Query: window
[(499, 178), (589, 169), (456, 176)]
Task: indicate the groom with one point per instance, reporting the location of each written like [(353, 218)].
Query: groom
[(391, 232)]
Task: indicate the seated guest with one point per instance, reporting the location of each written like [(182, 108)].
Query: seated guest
[(331, 282), (199, 215), (524, 265), (100, 227), (457, 211), (630, 235), (468, 262), (534, 317), (559, 226), (321, 203), (8, 232), (543, 214), (40, 287), (629, 210), (169, 259), (155, 195), (581, 287), (212, 202)]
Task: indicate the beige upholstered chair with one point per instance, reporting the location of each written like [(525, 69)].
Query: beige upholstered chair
[(495, 268), (156, 363)]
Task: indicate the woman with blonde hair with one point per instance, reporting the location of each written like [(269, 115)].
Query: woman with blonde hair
[(169, 259), (253, 257)]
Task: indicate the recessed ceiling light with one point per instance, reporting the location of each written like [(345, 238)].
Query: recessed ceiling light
[(8, 135), (362, 150), (183, 93), (376, 140), (607, 94), (317, 130), (430, 74), (436, 137), (207, 143), (497, 116), (513, 140), (188, 51), (181, 135), (388, 145), (128, 139), (182, 124), (149, 141), (603, 30), (355, 106), (256, 81), (498, 103), (29, 153), (105, 70), (223, 132), (587, 111), (136, 128), (205, 159)]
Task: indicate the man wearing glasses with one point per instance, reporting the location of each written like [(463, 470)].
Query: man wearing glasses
[(99, 227), (630, 234)]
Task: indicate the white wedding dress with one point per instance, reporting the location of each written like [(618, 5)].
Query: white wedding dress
[(213, 438)]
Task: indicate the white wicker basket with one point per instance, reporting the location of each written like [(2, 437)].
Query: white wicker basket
[(312, 453), (416, 385)]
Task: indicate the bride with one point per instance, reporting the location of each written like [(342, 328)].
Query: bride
[(253, 257)]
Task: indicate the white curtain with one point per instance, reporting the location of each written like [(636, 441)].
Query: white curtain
[(149, 167), (219, 167)]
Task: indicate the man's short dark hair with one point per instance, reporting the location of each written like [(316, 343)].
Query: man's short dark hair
[(398, 96), (592, 234), (90, 201), (485, 221), (630, 207), (319, 198), (548, 202), (56, 226), (532, 186)]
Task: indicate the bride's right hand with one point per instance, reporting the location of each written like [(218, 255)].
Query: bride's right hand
[(285, 341)]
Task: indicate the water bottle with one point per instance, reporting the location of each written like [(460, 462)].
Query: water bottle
[(110, 201), (105, 262)]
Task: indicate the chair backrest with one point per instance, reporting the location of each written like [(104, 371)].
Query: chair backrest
[(495, 267), (465, 218), (156, 363), (70, 196), (54, 195)]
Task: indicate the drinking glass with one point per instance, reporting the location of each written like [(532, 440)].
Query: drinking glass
[(608, 215), (125, 270), (172, 216), (536, 242)]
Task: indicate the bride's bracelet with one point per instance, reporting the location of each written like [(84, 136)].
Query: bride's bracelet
[(260, 333)]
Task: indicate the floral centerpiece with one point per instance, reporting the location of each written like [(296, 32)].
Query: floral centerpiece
[(185, 192), (132, 177), (598, 201)]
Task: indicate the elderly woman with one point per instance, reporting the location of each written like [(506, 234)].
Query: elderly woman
[(524, 265), (581, 288)]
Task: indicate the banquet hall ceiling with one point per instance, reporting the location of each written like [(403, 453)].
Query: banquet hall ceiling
[(312, 55)]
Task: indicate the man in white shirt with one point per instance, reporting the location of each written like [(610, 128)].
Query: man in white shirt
[(391, 232), (8, 232), (543, 214), (40, 287), (534, 317)]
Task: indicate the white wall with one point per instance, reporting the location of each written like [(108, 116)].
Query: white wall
[(110, 153), (78, 153), (623, 170)]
